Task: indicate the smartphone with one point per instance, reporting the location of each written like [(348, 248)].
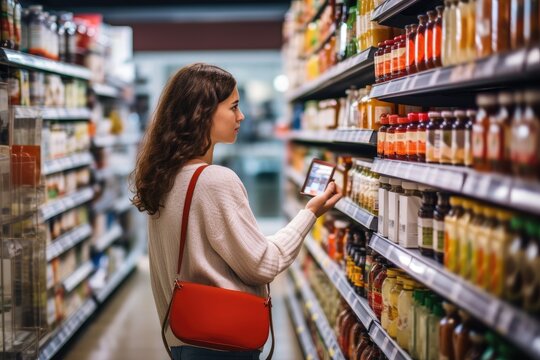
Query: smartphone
[(319, 176)]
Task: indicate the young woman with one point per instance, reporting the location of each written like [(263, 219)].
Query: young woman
[(199, 108)]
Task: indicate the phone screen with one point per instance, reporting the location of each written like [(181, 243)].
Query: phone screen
[(319, 175)]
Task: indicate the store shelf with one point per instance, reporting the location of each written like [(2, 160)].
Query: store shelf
[(302, 331), (13, 219), (106, 90), (358, 214), (316, 313), (67, 163), (66, 114), (353, 137), (295, 177), (19, 59), (62, 334), (103, 242), (112, 140), (81, 274), (68, 240), (357, 71), (520, 328), (387, 345), (456, 85), (123, 204), (55, 207), (398, 13), (117, 278)]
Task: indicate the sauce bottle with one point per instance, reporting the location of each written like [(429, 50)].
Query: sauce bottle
[(488, 107), (437, 37), (363, 344), (358, 271), (423, 119), (393, 317), (388, 59), (500, 23), (405, 301), (441, 210), (419, 44), (497, 251), (425, 221), (412, 137), (354, 338), (376, 266), (458, 138), (388, 284), (428, 39), (344, 331), (410, 49), (514, 274), (482, 248), (376, 290), (381, 136), (389, 144), (445, 131), (433, 140), (463, 244), (526, 138), (402, 57), (394, 65), (401, 138), (483, 22), (379, 63), (448, 325), (468, 156), (393, 209), (499, 134), (451, 241), (531, 280)]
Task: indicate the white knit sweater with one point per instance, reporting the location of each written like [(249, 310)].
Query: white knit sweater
[(224, 246)]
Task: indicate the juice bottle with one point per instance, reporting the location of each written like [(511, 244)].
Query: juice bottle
[(482, 249), (451, 241), (514, 274), (531, 280), (526, 138), (425, 221), (379, 63), (516, 23), (389, 145), (447, 327), (445, 137), (457, 148), (500, 23), (412, 137), (499, 134), (394, 315), (419, 44), (437, 37), (428, 39), (404, 314), (462, 239), (410, 66), (401, 138), (423, 119), (469, 270), (388, 284), (441, 211), (488, 107), (468, 147), (497, 252), (433, 323), (483, 22), (381, 136), (433, 137)]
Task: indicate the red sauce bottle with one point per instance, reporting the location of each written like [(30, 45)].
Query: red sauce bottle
[(412, 137), (401, 138), (423, 119), (419, 44), (402, 56), (389, 145), (388, 59), (410, 49), (381, 135), (437, 37), (379, 63), (428, 39)]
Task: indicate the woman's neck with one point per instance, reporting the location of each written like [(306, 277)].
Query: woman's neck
[(206, 158)]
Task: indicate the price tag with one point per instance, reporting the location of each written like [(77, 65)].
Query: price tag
[(408, 171), (394, 354), (505, 320), (388, 252), (514, 62), (533, 58), (405, 84), (483, 186), (434, 77), (413, 82), (456, 291), (384, 345), (492, 311)]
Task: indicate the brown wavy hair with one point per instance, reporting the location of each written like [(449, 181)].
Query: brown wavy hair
[(179, 131)]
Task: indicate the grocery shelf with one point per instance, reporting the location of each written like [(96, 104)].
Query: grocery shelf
[(357, 70), (66, 113), (302, 332), (78, 276), (13, 219), (106, 90), (67, 163), (103, 174), (358, 214), (398, 13), (111, 140), (456, 85), (68, 240), (64, 332), (123, 204), (388, 346), (316, 313), (517, 326), (19, 59), (360, 137), (104, 241), (68, 202), (495, 188), (295, 176)]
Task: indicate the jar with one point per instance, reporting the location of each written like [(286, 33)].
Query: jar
[(419, 44), (381, 136), (36, 29), (388, 284), (500, 23), (377, 292), (445, 137), (499, 134), (384, 188), (428, 39), (425, 222), (393, 208), (401, 138), (412, 137), (437, 37), (389, 145), (410, 66), (433, 137), (483, 24), (340, 232), (526, 136), (388, 59), (487, 104), (458, 138), (441, 210), (468, 156), (393, 316), (374, 271), (409, 204), (405, 301), (379, 63), (423, 119)]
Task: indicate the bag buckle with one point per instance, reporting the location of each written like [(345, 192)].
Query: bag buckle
[(177, 284), (268, 302)]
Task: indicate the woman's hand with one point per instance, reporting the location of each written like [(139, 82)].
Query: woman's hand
[(324, 202)]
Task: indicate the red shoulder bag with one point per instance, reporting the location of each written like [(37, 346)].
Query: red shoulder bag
[(212, 317)]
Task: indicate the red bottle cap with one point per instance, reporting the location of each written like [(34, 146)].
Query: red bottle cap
[(403, 120), (384, 120), (413, 117), (423, 117), (393, 119)]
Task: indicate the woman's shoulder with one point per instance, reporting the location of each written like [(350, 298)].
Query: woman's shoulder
[(216, 175)]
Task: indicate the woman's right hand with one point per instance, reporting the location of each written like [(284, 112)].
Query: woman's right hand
[(325, 201)]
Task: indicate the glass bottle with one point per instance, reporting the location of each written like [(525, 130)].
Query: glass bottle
[(401, 138), (388, 60), (381, 136), (412, 318), (412, 137), (376, 266), (461, 338), (483, 28), (421, 324), (344, 332), (378, 301), (517, 18), (487, 107), (433, 323), (410, 49), (402, 57), (468, 268), (393, 208), (17, 24), (341, 33), (483, 244), (448, 33), (462, 28), (423, 119), (394, 65), (531, 20), (526, 138), (478, 345), (36, 28), (439, 214), (393, 317), (531, 283), (425, 222), (433, 141), (445, 131), (404, 314), (497, 253), (354, 338), (514, 274), (387, 285), (453, 46), (451, 242), (363, 344), (458, 138), (379, 63), (500, 23), (428, 39), (419, 44), (389, 145), (358, 270), (448, 325), (462, 267), (468, 147), (437, 37), (499, 134)]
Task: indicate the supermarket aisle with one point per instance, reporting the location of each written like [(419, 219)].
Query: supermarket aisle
[(127, 328)]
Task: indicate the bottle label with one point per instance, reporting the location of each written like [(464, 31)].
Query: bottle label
[(437, 150), (527, 154), (377, 302), (380, 110), (425, 233), (358, 278), (402, 58), (495, 151), (389, 144), (468, 151), (446, 146), (412, 141), (401, 143), (422, 137), (438, 236), (478, 142), (458, 147), (430, 146)]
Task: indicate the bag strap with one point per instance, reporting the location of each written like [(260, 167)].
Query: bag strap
[(183, 234)]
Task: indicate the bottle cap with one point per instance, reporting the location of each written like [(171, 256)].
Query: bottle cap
[(393, 119), (341, 224), (407, 185), (486, 100), (434, 114), (460, 113), (394, 181), (413, 117), (391, 272), (532, 96), (447, 114), (384, 120), (423, 117), (471, 113), (403, 120), (384, 180), (506, 98)]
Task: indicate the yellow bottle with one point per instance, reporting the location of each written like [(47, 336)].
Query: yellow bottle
[(481, 250), (451, 243), (365, 24), (473, 237), (405, 322), (376, 33), (462, 231), (500, 241), (387, 286), (394, 314)]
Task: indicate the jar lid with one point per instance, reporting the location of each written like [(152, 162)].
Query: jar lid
[(408, 185), (381, 44), (403, 120), (413, 117), (423, 116), (471, 113), (392, 272), (389, 42), (455, 201), (486, 99), (384, 119), (384, 179), (397, 38), (460, 113), (434, 114), (394, 181), (447, 114), (532, 96), (393, 119), (341, 224), (506, 98)]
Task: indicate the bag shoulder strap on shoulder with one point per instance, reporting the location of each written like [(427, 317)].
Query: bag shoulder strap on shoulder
[(183, 234)]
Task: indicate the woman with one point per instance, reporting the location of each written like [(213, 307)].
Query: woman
[(198, 109)]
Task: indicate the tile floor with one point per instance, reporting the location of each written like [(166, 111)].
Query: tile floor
[(128, 328)]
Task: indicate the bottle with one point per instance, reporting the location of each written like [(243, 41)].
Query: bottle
[(376, 266), (500, 23), (433, 321), (457, 149), (363, 344), (451, 240), (405, 301), (445, 131), (468, 157), (514, 275), (437, 37), (388, 284), (409, 205), (352, 40), (433, 137), (17, 25), (428, 39), (483, 22), (447, 326), (358, 270), (401, 56), (36, 28), (419, 44), (499, 134), (531, 279), (393, 209), (381, 136), (354, 338), (531, 20), (412, 318), (401, 138), (344, 332), (441, 210), (410, 66), (517, 19), (497, 253), (341, 32), (526, 138), (412, 137), (378, 301), (461, 338), (389, 144), (7, 24), (448, 33), (483, 244), (379, 63), (488, 107), (421, 324), (425, 222), (461, 54), (393, 316), (469, 270), (463, 264), (388, 60), (423, 119)]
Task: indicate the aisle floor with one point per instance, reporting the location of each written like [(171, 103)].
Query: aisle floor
[(128, 328)]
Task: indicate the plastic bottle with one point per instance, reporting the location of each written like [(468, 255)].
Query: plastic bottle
[(423, 119), (388, 284), (488, 107), (497, 253), (419, 44), (393, 209), (405, 301), (425, 222), (500, 24), (433, 137), (451, 238)]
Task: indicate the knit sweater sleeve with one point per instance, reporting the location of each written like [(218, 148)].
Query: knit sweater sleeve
[(232, 230)]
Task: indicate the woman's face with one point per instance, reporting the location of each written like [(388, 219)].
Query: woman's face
[(226, 120)]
